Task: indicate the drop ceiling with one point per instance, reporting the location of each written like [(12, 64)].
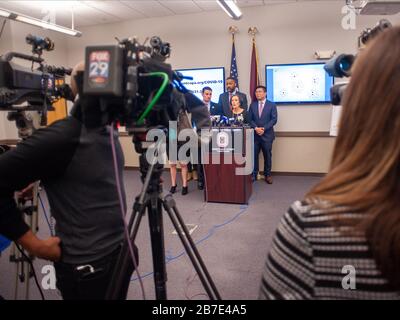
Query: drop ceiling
[(87, 13)]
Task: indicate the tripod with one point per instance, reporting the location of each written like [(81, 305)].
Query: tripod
[(150, 198), (28, 206), (24, 270)]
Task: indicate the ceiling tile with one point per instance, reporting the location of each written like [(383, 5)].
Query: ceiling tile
[(115, 8), (207, 5), (149, 8), (181, 7)]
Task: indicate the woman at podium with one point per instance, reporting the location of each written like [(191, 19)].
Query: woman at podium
[(239, 113)]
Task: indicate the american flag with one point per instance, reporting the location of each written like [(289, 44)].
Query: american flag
[(234, 70)]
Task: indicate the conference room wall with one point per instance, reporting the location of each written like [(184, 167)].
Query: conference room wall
[(291, 154), (13, 39), (288, 33)]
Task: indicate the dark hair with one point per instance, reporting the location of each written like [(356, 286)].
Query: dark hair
[(365, 166), (205, 88), (262, 87), (230, 78), (240, 99)]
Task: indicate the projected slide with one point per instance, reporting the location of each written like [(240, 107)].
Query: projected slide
[(298, 83), (205, 77)]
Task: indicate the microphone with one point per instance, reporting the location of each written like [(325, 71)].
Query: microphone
[(223, 120)]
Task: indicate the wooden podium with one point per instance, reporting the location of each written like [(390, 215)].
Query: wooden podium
[(222, 181)]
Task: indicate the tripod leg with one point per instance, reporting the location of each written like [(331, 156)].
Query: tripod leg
[(157, 246), (190, 247), (14, 254), (124, 263)]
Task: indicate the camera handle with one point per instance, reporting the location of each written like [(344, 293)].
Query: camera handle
[(10, 55)]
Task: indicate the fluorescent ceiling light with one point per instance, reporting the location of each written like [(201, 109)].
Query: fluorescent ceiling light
[(4, 14), (231, 8), (39, 23)]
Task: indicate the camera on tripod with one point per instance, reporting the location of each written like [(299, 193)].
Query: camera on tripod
[(340, 66), (133, 84), (130, 83), (38, 88)]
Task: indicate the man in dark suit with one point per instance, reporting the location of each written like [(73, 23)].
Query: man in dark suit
[(212, 107), (224, 101), (263, 116), (196, 170)]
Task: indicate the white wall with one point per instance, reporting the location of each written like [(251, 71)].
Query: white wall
[(13, 39), (288, 33)]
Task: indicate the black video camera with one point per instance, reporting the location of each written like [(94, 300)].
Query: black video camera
[(340, 66), (134, 86), (36, 87)]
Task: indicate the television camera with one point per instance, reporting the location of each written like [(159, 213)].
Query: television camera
[(340, 65), (130, 83), (30, 89), (133, 85)]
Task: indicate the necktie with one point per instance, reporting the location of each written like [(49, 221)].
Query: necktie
[(260, 108), (230, 98)]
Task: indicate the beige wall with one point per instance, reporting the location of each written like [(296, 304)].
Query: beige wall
[(290, 154), (301, 154), (289, 33)]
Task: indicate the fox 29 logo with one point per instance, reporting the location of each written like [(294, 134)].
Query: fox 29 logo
[(99, 66)]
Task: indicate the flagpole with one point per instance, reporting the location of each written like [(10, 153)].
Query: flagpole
[(232, 30), (253, 31), (254, 74), (233, 69)]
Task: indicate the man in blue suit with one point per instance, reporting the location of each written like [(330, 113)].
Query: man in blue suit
[(263, 116), (224, 101), (212, 107)]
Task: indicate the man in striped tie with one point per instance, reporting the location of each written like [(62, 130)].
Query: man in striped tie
[(263, 117)]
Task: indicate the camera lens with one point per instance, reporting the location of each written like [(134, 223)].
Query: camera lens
[(345, 65), (340, 66)]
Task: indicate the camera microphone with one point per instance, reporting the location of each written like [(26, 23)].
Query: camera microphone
[(369, 34), (39, 43)]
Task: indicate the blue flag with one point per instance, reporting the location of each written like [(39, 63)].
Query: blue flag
[(234, 70)]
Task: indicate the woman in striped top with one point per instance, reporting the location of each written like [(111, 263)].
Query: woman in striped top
[(343, 240)]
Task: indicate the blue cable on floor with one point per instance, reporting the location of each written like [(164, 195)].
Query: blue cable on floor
[(169, 258)]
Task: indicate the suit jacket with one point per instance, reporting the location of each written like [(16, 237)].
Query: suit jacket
[(268, 119), (224, 103), (214, 109)]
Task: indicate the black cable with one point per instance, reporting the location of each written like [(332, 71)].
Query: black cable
[(2, 28), (33, 269)]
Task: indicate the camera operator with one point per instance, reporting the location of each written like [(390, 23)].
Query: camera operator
[(73, 160), (342, 241)]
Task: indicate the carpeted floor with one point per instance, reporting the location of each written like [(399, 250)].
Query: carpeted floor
[(233, 241)]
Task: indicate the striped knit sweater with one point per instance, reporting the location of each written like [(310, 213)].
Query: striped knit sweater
[(311, 259)]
